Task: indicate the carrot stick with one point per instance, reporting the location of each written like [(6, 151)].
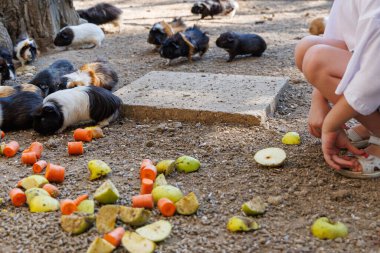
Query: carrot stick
[(78, 200), (149, 172), (81, 134), (166, 207), (11, 149), (52, 190), (39, 166), (75, 148), (144, 163), (37, 148), (55, 173), (144, 200), (17, 196), (19, 183), (29, 157), (146, 186), (68, 206), (114, 237)]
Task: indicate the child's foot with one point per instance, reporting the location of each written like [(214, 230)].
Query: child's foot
[(358, 136), (361, 131), (372, 150)]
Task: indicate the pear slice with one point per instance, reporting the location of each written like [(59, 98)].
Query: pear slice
[(34, 181), (43, 203), (86, 206), (187, 164), (157, 231), (271, 157), (188, 204), (107, 193), (97, 132), (240, 223), (134, 216), (106, 218), (255, 206), (34, 192), (165, 166), (77, 223), (160, 180), (135, 243), (291, 138), (99, 245), (98, 168), (167, 191)]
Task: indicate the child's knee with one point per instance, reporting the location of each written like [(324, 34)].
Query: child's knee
[(314, 62), (302, 47)]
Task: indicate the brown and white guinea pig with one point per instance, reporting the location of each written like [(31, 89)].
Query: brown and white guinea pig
[(185, 44), (17, 105), (52, 78), (97, 73), (25, 50), (241, 44), (161, 30), (85, 35), (215, 7), (64, 108), (7, 69), (102, 13), (317, 26)]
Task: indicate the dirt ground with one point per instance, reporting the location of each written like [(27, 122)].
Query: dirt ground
[(306, 188)]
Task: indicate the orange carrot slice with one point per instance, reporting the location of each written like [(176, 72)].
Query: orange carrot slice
[(37, 148), (144, 200), (11, 149), (39, 166), (75, 148), (114, 237), (29, 157), (17, 196), (166, 207), (67, 206), (146, 186), (144, 163), (81, 134), (78, 200), (52, 190), (2, 134), (149, 171), (55, 173)]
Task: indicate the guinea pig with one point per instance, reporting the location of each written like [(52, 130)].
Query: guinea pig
[(97, 73), (17, 106), (241, 44), (52, 78), (83, 36), (71, 106), (161, 30), (317, 26), (186, 44), (25, 50), (7, 69), (215, 7), (102, 13)]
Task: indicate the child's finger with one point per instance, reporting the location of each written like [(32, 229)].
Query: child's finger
[(343, 162), (330, 162), (354, 149)]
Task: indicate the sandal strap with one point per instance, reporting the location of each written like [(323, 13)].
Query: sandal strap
[(353, 135), (374, 140), (369, 164)]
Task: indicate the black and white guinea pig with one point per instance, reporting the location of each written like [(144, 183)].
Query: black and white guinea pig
[(215, 7), (7, 69), (17, 105), (52, 78), (98, 73), (71, 106), (161, 30), (185, 44), (102, 13), (83, 36), (25, 50), (241, 44)]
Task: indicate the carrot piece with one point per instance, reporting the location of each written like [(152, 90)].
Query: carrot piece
[(146, 186), (17, 196), (11, 149), (19, 183), (78, 200), (52, 190), (2, 134), (55, 173), (166, 207), (114, 237), (144, 200), (81, 134), (37, 148), (144, 163), (75, 148), (67, 206), (149, 171), (39, 166), (29, 157)]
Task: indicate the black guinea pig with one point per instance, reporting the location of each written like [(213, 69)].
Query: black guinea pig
[(241, 44), (215, 7), (185, 44), (71, 106), (101, 13), (161, 30), (7, 69), (52, 78), (17, 105)]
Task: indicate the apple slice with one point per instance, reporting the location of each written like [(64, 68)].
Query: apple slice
[(135, 243), (99, 245), (134, 216), (106, 218), (157, 231), (97, 132), (107, 193), (77, 223), (255, 206), (291, 138), (34, 192), (167, 191), (43, 203), (187, 164), (165, 166), (240, 223), (271, 157), (34, 181), (323, 228), (160, 180), (188, 204), (98, 168), (86, 206)]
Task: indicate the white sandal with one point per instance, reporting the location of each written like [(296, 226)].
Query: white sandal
[(370, 164), (356, 139)]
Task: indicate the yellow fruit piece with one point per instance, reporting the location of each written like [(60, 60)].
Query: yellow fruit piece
[(98, 168), (323, 228), (106, 218), (135, 243), (86, 206), (187, 164), (77, 223), (167, 191), (157, 231), (291, 138), (240, 223), (34, 181), (99, 245), (106, 193), (134, 216), (255, 206), (42, 203), (97, 132), (271, 157), (34, 192), (165, 166), (160, 180), (188, 204)]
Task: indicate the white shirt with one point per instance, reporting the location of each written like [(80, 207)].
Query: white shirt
[(357, 23)]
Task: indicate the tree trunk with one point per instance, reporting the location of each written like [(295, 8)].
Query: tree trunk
[(40, 19), (5, 39)]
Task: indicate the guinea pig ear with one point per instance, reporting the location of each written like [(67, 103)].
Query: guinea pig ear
[(48, 109)]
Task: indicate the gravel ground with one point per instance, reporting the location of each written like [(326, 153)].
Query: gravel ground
[(299, 192)]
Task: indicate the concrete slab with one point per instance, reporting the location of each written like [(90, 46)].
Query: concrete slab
[(202, 97)]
